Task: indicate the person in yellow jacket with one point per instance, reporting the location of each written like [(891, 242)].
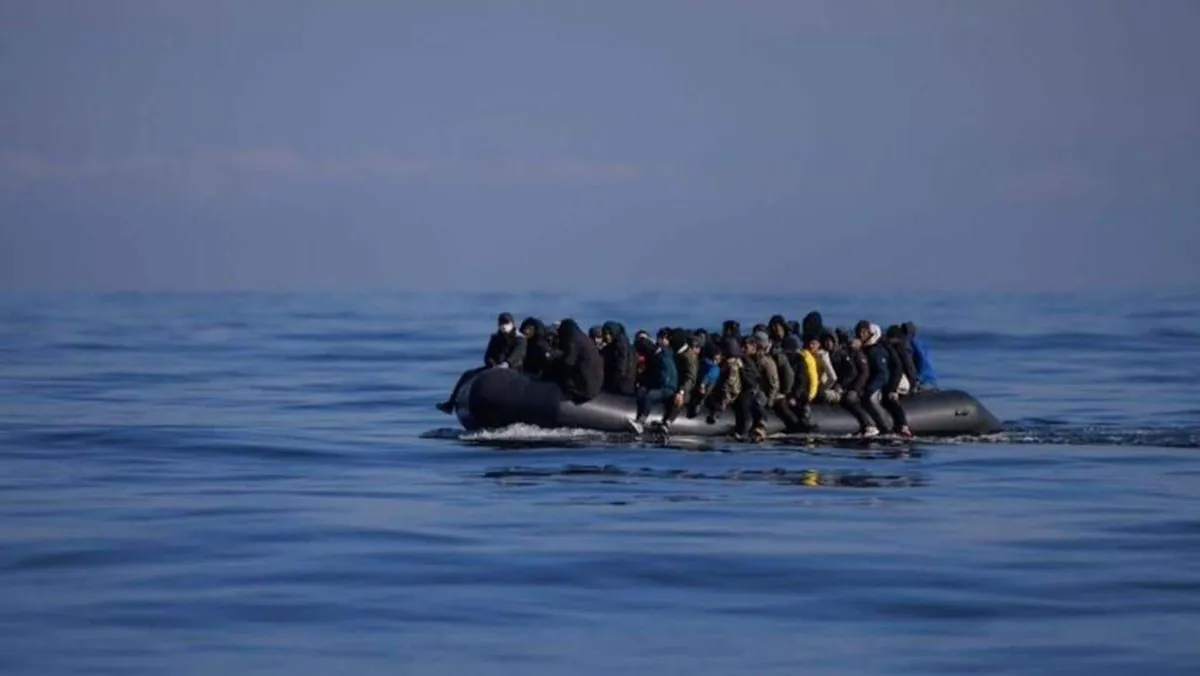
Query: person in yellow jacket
[(808, 380)]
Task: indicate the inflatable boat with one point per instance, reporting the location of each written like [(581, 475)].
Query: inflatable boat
[(497, 398)]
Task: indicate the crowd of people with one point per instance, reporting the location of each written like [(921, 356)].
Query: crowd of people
[(779, 368)]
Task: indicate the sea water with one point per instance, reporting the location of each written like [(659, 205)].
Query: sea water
[(260, 483)]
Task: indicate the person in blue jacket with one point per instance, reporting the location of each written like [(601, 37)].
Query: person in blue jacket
[(661, 382), (926, 376), (709, 369)]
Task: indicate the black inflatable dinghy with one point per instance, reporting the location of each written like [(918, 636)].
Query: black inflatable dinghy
[(497, 398)]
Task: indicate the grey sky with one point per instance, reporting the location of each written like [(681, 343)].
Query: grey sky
[(1016, 144)]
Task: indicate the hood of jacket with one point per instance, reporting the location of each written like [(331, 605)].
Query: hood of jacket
[(539, 329), (614, 328), (568, 328), (876, 334), (679, 340), (731, 348)]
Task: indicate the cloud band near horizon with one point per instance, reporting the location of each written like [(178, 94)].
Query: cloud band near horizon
[(212, 169)]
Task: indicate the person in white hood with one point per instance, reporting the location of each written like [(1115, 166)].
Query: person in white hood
[(882, 364)]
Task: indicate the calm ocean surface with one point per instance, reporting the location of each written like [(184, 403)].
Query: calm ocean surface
[(257, 483)]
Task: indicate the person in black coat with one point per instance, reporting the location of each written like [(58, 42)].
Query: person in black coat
[(882, 390), (580, 371), (854, 383), (900, 344), (505, 349), (896, 372), (620, 364), (813, 324), (643, 356), (538, 350), (778, 329)]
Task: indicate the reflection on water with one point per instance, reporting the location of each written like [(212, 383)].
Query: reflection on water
[(791, 477)]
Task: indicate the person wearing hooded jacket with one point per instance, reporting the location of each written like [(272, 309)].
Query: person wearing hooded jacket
[(772, 396), (838, 363), (853, 379), (880, 375), (538, 351), (661, 385), (826, 373), (759, 380), (781, 403), (783, 361), (768, 370), (505, 349), (579, 372), (812, 324), (687, 369), (901, 349), (620, 364), (897, 383), (926, 377), (807, 383), (643, 351), (804, 363), (747, 405), (778, 328), (730, 328), (597, 337), (727, 391), (708, 371)]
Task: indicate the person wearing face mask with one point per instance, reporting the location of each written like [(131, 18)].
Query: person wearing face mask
[(505, 349)]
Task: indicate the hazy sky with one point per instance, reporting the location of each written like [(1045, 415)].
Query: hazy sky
[(760, 144)]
